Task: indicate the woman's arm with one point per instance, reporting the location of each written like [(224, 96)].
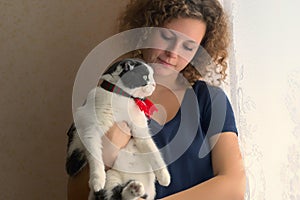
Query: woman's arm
[(229, 182), (115, 139), (119, 135)]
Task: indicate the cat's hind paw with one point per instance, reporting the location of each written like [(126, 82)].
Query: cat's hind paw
[(133, 190)]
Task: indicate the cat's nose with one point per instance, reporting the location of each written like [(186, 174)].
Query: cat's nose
[(149, 88)]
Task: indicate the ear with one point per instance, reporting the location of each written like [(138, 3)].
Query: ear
[(128, 65), (112, 68)]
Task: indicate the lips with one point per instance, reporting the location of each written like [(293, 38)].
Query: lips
[(161, 61)]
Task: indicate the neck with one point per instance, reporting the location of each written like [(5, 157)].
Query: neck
[(171, 82), (168, 81)]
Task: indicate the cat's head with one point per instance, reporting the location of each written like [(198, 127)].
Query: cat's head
[(134, 76)]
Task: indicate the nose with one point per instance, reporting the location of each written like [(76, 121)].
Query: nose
[(150, 88), (172, 49)]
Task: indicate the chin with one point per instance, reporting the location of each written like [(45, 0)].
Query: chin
[(142, 92), (164, 71)]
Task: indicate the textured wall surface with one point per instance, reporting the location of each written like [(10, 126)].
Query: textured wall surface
[(268, 93), (42, 44)]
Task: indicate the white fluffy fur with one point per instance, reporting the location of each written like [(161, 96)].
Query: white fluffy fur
[(101, 110)]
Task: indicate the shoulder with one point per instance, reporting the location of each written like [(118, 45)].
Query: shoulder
[(214, 107), (206, 92)]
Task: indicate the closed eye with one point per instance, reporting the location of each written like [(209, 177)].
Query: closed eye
[(190, 46), (167, 35)]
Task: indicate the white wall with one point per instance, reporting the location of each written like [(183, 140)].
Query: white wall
[(266, 36)]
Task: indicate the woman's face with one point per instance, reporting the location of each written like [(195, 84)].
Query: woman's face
[(178, 42)]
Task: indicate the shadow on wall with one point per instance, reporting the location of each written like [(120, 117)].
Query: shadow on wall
[(42, 45)]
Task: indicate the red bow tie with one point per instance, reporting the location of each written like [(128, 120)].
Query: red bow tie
[(146, 106)]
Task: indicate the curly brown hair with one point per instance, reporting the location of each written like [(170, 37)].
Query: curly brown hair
[(156, 13)]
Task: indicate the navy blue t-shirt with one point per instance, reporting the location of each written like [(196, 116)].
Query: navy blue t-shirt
[(183, 141)]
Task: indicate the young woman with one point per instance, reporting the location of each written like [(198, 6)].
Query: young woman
[(214, 171)]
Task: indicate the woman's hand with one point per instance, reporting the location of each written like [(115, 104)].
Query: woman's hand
[(116, 138), (119, 134)]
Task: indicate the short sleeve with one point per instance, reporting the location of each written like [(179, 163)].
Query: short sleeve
[(216, 113), (229, 124)]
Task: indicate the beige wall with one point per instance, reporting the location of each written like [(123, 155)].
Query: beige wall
[(42, 44)]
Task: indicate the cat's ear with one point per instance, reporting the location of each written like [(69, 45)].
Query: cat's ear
[(128, 65), (112, 68)]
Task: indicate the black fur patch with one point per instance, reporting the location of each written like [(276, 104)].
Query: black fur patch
[(75, 162), (117, 192), (70, 134), (101, 195), (112, 68), (144, 196)]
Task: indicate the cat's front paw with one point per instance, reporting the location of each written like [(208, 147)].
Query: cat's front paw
[(133, 190), (163, 176), (96, 183)]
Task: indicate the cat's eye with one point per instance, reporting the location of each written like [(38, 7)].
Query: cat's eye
[(145, 77)]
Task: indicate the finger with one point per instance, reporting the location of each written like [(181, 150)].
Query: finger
[(124, 127)]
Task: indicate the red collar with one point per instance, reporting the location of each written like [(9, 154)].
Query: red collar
[(144, 104)]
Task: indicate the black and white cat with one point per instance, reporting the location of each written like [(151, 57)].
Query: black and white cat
[(125, 84)]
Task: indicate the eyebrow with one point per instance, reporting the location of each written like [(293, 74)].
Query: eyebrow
[(192, 41)]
